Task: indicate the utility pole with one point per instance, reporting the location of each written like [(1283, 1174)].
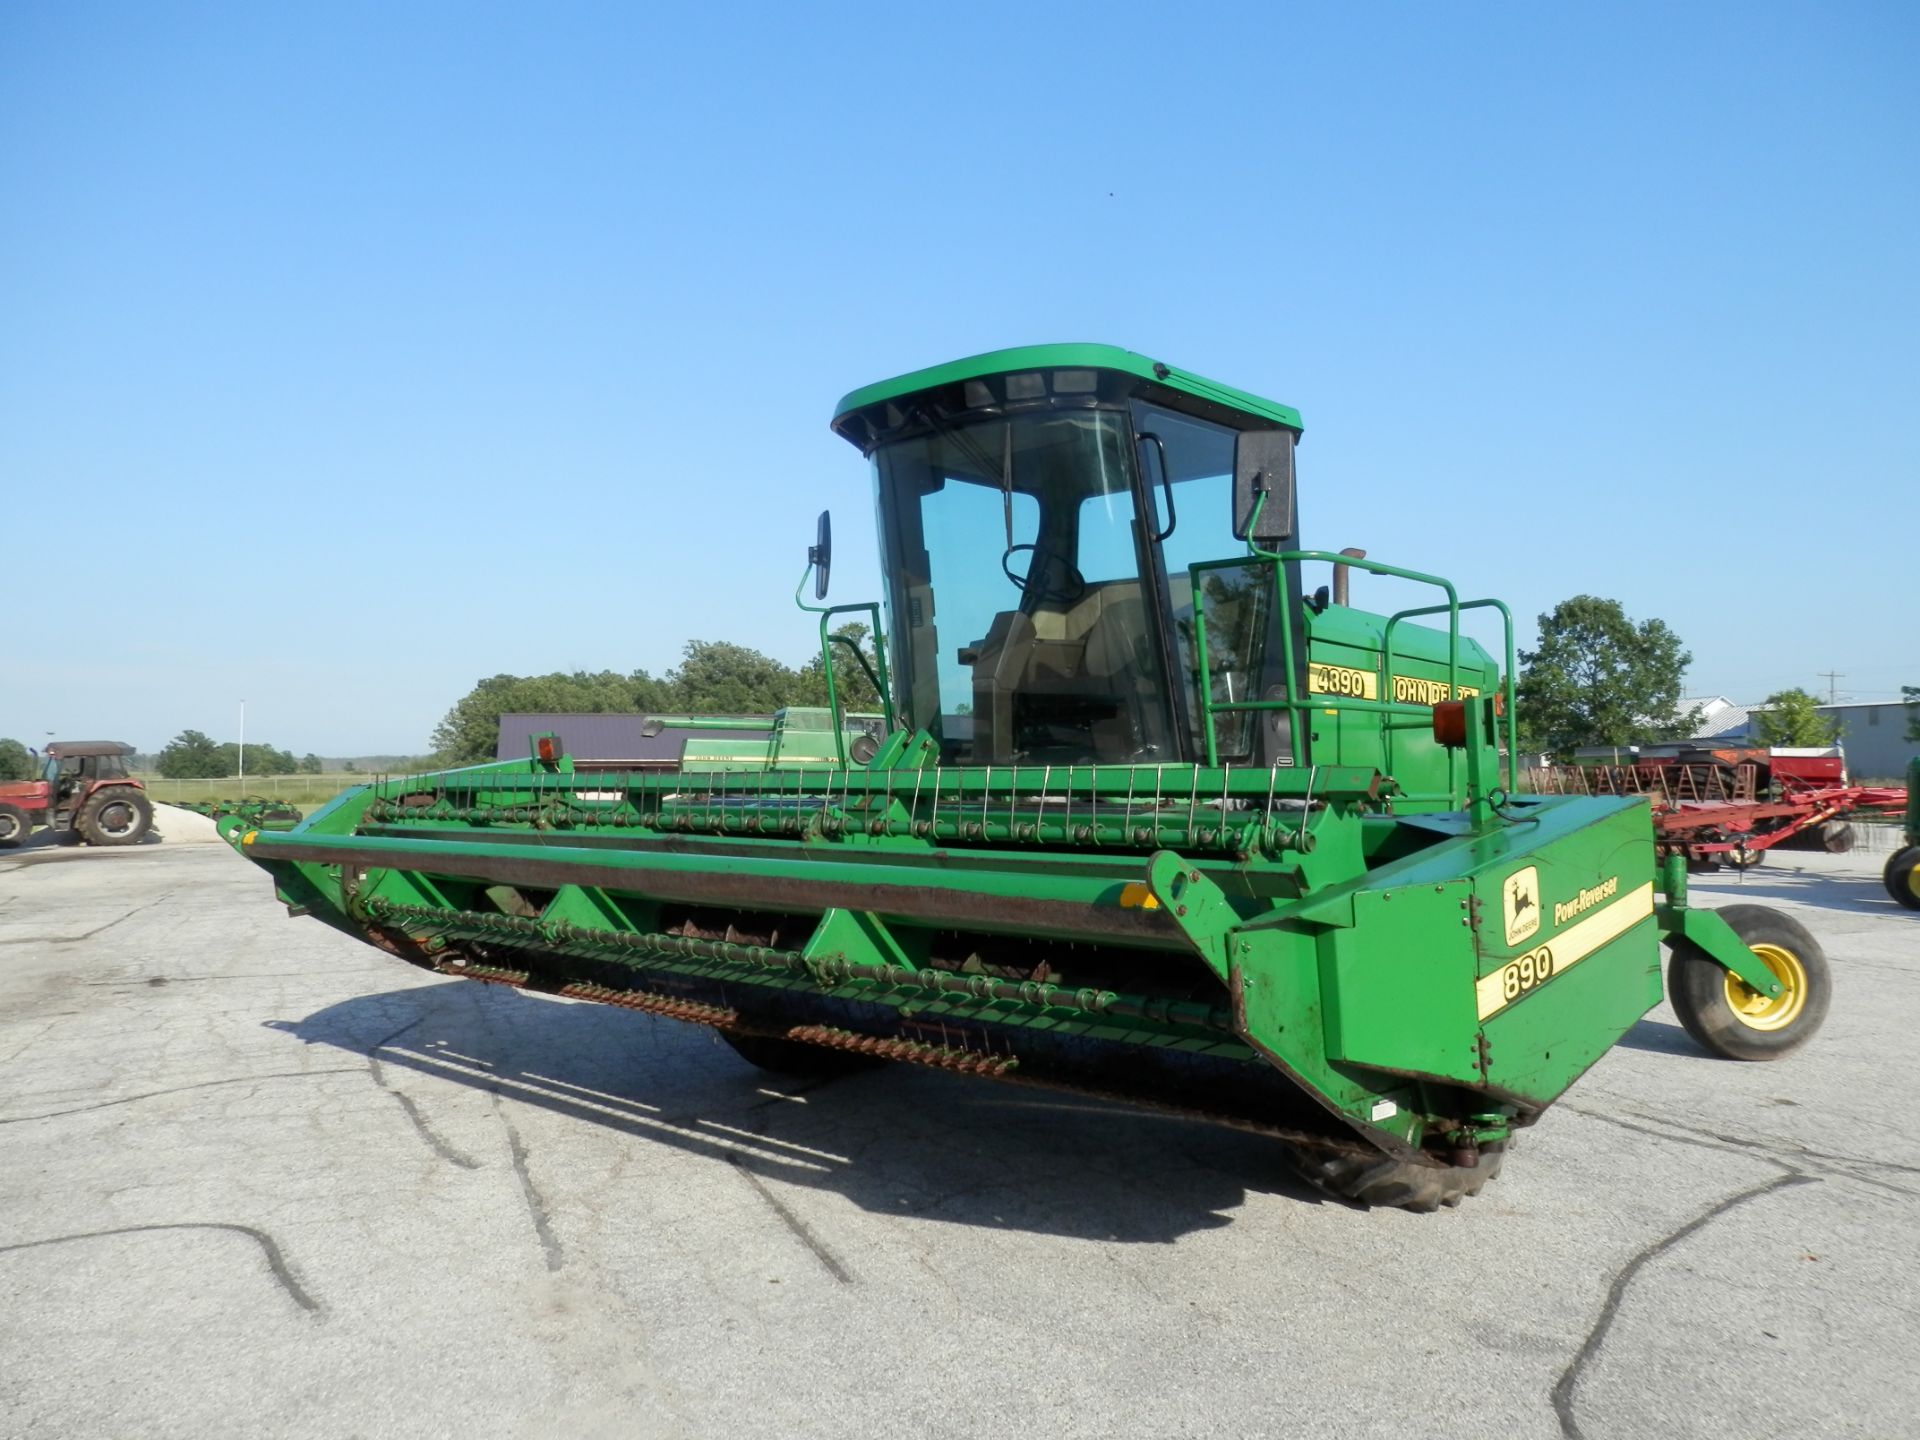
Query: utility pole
[(1833, 679)]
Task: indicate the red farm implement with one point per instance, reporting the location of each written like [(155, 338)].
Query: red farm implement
[(1718, 813)]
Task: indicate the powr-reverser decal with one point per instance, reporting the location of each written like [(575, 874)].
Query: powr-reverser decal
[(1566, 949)]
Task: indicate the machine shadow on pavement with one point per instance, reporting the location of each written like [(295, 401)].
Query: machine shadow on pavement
[(1857, 894), (50, 840), (897, 1140), (1657, 1037)]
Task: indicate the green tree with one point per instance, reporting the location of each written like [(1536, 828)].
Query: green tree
[(714, 677), (856, 691), (191, 756), (1793, 718), (1598, 678), (15, 762), (310, 764), (471, 729), (261, 760), (350, 768), (717, 677), (1910, 694)]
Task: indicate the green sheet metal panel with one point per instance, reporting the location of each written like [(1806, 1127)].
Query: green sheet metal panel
[(1399, 983), (1569, 951)]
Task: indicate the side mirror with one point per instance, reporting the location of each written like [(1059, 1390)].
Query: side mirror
[(820, 555), (1263, 465)]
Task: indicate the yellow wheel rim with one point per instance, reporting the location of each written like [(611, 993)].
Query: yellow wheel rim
[(1770, 1012), (1913, 880)]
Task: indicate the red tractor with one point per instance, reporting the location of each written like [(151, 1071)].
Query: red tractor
[(85, 790)]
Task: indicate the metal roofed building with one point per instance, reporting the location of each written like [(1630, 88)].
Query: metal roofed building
[(612, 742), (1720, 719)]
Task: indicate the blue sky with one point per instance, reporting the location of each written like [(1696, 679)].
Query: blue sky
[(350, 353)]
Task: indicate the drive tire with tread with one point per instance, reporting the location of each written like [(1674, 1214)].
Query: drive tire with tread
[(15, 826), (1902, 877), (117, 815), (1382, 1180), (1740, 1023)]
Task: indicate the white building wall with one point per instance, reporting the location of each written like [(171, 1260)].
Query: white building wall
[(1874, 735)]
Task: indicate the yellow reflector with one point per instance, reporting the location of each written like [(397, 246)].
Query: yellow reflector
[(1135, 895), (247, 839)]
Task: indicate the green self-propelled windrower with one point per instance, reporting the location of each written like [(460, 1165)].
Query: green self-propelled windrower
[(259, 812), (1143, 815)]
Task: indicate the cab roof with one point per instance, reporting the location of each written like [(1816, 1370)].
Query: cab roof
[(1048, 357), (85, 749)]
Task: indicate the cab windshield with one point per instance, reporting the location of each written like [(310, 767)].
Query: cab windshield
[(1022, 598)]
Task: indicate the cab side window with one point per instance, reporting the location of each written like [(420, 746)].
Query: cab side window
[(1188, 465)]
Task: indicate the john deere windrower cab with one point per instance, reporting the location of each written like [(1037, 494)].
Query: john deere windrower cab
[(1150, 814)]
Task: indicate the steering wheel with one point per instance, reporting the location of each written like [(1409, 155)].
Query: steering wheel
[(1071, 588)]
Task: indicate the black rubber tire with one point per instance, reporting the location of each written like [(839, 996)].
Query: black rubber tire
[(115, 815), (794, 1057), (1902, 877), (1837, 837), (15, 826), (1382, 1180), (1699, 989)]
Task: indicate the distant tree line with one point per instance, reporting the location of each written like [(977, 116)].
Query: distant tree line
[(714, 677), (191, 755), (1596, 678)]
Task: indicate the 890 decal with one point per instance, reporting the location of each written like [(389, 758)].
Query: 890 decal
[(1531, 969)]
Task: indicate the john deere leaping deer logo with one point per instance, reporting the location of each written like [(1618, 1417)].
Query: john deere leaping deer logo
[(1520, 903)]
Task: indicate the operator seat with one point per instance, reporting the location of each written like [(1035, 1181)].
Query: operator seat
[(1083, 664)]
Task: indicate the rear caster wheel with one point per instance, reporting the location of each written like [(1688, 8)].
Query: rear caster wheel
[(1740, 1023), (14, 826), (1902, 876)]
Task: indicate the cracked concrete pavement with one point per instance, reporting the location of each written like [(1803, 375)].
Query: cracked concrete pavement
[(256, 1178)]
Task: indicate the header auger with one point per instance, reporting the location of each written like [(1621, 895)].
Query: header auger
[(1143, 817)]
